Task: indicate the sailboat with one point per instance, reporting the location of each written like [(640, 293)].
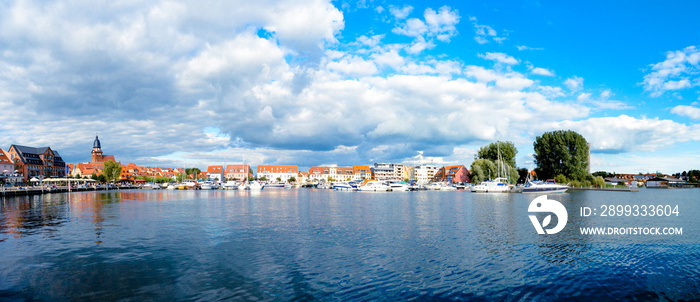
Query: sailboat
[(498, 185)]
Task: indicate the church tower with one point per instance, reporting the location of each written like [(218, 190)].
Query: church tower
[(96, 151)]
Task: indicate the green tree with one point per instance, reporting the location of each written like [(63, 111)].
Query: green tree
[(522, 175), (599, 181), (93, 176), (601, 174), (279, 179), (112, 170), (193, 171), (490, 152), (561, 153), (292, 179), (102, 178), (483, 169)]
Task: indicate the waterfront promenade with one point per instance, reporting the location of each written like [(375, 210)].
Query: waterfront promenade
[(22, 191)]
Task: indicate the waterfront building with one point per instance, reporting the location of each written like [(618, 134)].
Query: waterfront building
[(85, 169), (319, 173), (388, 171), (283, 172), (237, 172), (342, 173), (332, 173), (303, 177), (665, 182), (7, 168), (452, 174), (215, 173), (361, 172), (40, 162), (97, 156), (424, 173)]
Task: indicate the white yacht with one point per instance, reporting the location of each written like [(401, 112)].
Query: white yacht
[(498, 185), (398, 186), (344, 186), (255, 186), (538, 186), (230, 185), (374, 185), (446, 187), (207, 185)]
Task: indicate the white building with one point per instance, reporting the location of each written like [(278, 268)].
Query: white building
[(424, 173), (273, 172), (386, 171)]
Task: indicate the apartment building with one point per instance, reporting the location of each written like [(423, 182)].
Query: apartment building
[(283, 172)]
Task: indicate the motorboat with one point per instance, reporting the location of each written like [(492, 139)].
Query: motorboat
[(374, 185), (207, 185), (230, 185), (255, 186), (446, 187), (398, 186), (498, 185), (191, 185), (274, 185), (344, 186), (538, 186), (242, 186), (433, 186)]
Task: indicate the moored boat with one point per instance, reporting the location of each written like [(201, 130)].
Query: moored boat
[(374, 185), (538, 186), (498, 185)]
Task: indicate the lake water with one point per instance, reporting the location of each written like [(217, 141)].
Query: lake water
[(307, 244)]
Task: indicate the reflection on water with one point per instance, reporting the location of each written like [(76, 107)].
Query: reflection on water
[(318, 244)]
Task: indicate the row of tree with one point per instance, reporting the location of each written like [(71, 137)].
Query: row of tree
[(560, 155)]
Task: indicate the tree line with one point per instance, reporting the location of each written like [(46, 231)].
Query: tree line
[(561, 155)]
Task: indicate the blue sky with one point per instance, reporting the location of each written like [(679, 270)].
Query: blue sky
[(182, 83)]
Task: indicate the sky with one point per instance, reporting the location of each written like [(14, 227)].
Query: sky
[(313, 82)]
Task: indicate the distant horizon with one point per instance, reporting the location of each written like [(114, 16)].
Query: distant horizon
[(312, 83)]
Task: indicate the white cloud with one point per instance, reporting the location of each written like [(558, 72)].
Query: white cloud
[(523, 47), (400, 13), (353, 66), (412, 27), (624, 133), (499, 57), (574, 83), (440, 25), (390, 58), (689, 111), (679, 71), (485, 33), (542, 71)]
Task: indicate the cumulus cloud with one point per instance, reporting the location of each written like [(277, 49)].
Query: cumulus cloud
[(625, 133), (499, 57), (400, 13), (542, 71), (679, 71), (574, 83), (437, 25), (689, 111), (485, 33)]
